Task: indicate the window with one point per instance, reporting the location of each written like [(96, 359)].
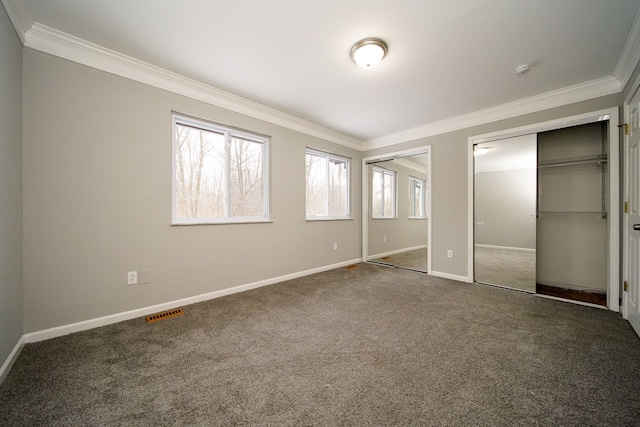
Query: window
[(219, 174), (417, 191), (384, 193), (327, 178)]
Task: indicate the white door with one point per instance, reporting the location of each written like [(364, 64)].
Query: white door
[(632, 218)]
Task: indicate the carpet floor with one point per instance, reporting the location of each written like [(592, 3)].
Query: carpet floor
[(364, 346), (512, 269), (413, 260)]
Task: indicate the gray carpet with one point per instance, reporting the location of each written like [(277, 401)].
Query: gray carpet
[(512, 269), (366, 346)]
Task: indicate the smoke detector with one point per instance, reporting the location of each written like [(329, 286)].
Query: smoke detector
[(523, 69)]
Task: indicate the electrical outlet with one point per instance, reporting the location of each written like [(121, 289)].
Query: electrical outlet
[(335, 246), (132, 278), (449, 253)]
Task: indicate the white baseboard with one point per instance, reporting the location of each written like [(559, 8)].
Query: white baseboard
[(450, 276), (506, 248), (6, 366), (380, 255), (145, 311), (396, 251)]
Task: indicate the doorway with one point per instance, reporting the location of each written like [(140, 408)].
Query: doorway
[(396, 209)]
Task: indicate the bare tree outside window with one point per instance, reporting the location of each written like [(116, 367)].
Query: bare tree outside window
[(246, 186), (383, 188), (316, 178), (416, 197), (327, 181), (338, 188), (199, 173), (218, 175), (419, 200), (377, 184)]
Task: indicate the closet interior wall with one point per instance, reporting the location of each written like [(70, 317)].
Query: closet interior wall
[(572, 224)]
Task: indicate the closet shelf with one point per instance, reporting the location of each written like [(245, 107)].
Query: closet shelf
[(599, 159), (603, 213)]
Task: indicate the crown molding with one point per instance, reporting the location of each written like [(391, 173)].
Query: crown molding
[(49, 40), (630, 56), (54, 42), (581, 92), (19, 16)]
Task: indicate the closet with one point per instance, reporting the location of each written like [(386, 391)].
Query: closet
[(540, 212), (571, 231)]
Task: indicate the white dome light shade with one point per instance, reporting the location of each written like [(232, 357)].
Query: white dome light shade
[(368, 53), (480, 151)]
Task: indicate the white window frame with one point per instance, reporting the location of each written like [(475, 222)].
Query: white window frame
[(394, 194), (329, 157), (228, 133), (412, 203)]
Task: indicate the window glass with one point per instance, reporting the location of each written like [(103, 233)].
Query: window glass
[(384, 193), (327, 182), (338, 188), (219, 176), (246, 178), (417, 191)]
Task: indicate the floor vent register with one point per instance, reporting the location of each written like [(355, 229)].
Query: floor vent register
[(164, 315)]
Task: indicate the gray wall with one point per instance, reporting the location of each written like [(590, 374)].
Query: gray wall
[(11, 307), (97, 201), (506, 208), (449, 185)]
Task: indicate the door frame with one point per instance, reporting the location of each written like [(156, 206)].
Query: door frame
[(425, 149), (626, 195), (611, 114)]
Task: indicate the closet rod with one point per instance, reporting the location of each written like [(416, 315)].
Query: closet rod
[(553, 165)]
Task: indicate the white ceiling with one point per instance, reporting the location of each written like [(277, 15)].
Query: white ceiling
[(446, 58)]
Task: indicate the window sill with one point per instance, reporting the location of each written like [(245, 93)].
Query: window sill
[(312, 219), (262, 221)]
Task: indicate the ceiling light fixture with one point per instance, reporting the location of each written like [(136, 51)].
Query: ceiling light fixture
[(480, 151), (368, 53)]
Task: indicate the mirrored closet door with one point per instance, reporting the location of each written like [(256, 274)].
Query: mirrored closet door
[(397, 206), (505, 213)]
